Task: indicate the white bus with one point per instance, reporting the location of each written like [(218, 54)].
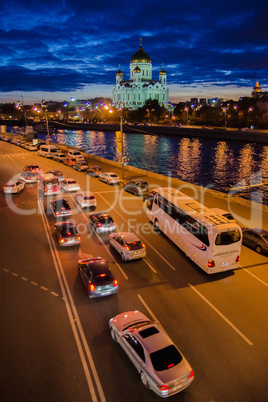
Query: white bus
[(208, 238)]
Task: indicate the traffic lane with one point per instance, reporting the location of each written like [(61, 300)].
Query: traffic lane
[(226, 367), (38, 353)]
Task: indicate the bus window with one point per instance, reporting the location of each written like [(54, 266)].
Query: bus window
[(226, 238), (150, 201)]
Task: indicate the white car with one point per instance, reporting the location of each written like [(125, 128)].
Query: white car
[(128, 245), (109, 178), (86, 199), (29, 177), (14, 186), (59, 156), (161, 366), (69, 185), (31, 147), (73, 153)]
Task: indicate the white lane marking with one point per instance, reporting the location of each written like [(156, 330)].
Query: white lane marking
[(254, 276), (107, 248), (34, 283), (221, 315), (6, 270), (24, 279), (150, 266), (14, 274), (54, 294), (43, 287), (144, 240), (76, 326), (147, 308)]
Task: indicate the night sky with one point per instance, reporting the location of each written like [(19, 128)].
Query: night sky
[(59, 49)]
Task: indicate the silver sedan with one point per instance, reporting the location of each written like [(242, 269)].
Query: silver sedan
[(161, 366), (128, 245)]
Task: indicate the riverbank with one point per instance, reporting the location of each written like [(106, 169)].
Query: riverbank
[(256, 136)]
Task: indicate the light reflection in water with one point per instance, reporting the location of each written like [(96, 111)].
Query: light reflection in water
[(217, 164)]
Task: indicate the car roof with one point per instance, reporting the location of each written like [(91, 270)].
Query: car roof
[(65, 224), (155, 338), (97, 265), (258, 231), (129, 237), (109, 173), (86, 193)]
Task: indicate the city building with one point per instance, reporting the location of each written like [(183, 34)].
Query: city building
[(133, 93), (257, 92)]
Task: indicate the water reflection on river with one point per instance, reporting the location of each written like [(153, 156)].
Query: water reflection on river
[(217, 164)]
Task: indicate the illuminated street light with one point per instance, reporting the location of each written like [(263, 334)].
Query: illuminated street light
[(225, 116), (249, 110), (187, 115)]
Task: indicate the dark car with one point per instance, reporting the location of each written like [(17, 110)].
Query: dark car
[(67, 234), (97, 277), (256, 239), (60, 207), (94, 171), (136, 187), (101, 222), (81, 166)]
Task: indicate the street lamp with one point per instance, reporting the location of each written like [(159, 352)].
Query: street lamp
[(225, 111), (186, 115), (249, 110)]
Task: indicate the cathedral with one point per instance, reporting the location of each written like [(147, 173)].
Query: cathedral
[(133, 93)]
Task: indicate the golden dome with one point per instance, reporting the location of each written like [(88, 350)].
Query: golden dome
[(140, 57)]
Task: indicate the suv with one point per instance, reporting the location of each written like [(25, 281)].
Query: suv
[(73, 153), (136, 187)]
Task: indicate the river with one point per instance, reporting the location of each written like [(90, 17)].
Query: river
[(205, 162)]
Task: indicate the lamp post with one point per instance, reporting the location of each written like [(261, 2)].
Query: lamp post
[(186, 115), (249, 110), (225, 114)]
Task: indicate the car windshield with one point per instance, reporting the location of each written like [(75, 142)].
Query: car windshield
[(165, 358), (105, 220), (143, 185), (113, 175), (226, 238), (51, 182), (76, 153), (135, 245), (69, 231), (102, 279), (62, 204), (71, 182), (265, 237), (89, 197)]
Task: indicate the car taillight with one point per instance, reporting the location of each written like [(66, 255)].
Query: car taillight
[(211, 264), (45, 190), (143, 245), (191, 374), (91, 287), (78, 237), (57, 213), (4, 187), (62, 241), (237, 258), (115, 282), (99, 225), (163, 387), (14, 187), (127, 248)]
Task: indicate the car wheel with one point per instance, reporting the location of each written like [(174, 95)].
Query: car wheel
[(258, 249), (113, 335), (123, 257), (144, 379)]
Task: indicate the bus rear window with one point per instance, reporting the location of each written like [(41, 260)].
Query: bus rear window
[(225, 238)]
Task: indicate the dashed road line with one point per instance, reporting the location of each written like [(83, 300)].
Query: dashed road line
[(23, 278)]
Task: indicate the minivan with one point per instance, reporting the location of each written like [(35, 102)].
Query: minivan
[(73, 153), (47, 150)]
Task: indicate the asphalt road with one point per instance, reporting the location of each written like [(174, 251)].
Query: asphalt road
[(54, 341)]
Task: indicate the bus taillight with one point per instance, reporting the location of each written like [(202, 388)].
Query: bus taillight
[(211, 264), (237, 258)]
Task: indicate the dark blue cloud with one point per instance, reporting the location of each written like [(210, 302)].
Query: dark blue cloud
[(66, 45)]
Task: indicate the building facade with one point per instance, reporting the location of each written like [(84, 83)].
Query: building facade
[(133, 93)]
